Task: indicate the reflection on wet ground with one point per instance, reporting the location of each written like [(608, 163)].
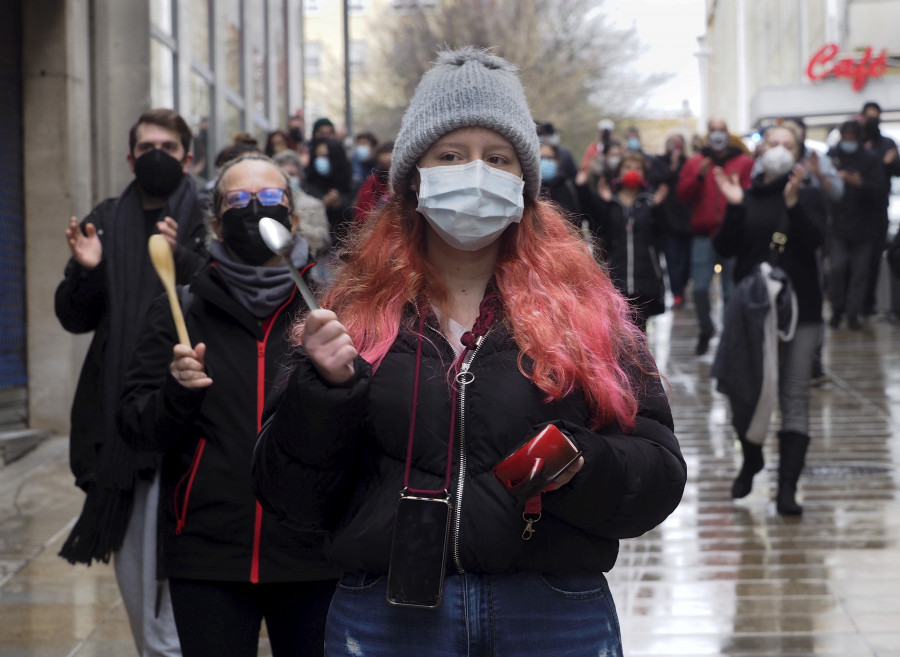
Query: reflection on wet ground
[(734, 578), (717, 578)]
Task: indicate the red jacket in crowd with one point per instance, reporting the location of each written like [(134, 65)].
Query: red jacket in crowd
[(701, 193)]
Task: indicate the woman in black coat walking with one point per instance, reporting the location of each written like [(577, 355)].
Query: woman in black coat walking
[(779, 201)]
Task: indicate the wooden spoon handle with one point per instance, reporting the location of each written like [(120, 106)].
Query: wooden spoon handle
[(164, 264), (178, 316)]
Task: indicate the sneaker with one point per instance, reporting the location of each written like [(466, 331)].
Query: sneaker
[(677, 301), (854, 324)]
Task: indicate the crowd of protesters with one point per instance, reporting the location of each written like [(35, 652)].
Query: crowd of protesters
[(384, 234)]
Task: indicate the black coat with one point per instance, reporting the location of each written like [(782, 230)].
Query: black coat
[(628, 239), (211, 526), (334, 457), (746, 233), (858, 215), (82, 305)]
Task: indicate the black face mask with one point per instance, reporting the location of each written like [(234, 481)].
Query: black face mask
[(240, 230), (382, 175), (158, 173), (297, 135), (871, 128)]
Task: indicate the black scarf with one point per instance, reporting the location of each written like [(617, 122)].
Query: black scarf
[(132, 284)]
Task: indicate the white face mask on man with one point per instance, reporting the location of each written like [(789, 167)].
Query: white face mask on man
[(470, 205)]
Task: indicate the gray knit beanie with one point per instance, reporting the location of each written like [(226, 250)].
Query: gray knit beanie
[(468, 87)]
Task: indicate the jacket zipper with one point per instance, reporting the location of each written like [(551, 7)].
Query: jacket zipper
[(464, 378), (260, 404), (188, 481)]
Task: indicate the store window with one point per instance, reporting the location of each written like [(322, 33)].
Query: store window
[(313, 58), (162, 74)]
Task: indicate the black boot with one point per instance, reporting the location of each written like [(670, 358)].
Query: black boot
[(753, 463), (792, 455), (707, 330)]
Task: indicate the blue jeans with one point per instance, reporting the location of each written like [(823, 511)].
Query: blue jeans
[(520, 615), (678, 261), (703, 264)]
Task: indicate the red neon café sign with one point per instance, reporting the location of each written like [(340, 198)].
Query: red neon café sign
[(825, 64)]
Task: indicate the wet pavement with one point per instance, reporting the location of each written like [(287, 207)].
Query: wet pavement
[(717, 578)]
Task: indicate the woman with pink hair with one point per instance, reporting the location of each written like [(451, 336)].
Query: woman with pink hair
[(468, 315)]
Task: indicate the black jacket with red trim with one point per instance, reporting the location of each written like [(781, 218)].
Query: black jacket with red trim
[(333, 457), (211, 526)]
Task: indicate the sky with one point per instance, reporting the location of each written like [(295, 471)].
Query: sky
[(669, 30)]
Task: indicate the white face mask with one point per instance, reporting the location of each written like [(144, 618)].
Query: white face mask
[(470, 205), (777, 161), (718, 140)]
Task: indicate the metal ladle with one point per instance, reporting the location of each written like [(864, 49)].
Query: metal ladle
[(281, 242)]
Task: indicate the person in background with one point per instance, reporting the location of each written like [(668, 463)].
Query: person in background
[(548, 134), (200, 167), (556, 187), (328, 178), (627, 221), (453, 332), (363, 158), (297, 128), (677, 226), (278, 141), (594, 154), (230, 564), (323, 128), (886, 149), (109, 284), (699, 191), (312, 220), (656, 169), (855, 226), (821, 173), (778, 200), (376, 189)]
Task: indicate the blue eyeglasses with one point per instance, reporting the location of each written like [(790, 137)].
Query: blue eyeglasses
[(240, 198)]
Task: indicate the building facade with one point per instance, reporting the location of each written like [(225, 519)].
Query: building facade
[(817, 59), (74, 77)]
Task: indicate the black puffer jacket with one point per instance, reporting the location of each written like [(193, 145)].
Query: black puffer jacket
[(747, 229), (628, 238), (211, 526), (334, 457)]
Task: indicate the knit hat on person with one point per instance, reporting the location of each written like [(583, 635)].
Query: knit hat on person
[(321, 122), (468, 87)]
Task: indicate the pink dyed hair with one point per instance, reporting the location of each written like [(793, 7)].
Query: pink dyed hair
[(564, 312)]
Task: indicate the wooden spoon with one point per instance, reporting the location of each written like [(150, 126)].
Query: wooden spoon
[(161, 255)]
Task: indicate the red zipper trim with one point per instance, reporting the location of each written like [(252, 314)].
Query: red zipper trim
[(181, 518), (260, 403)]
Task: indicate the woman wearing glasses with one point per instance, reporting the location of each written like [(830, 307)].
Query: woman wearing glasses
[(229, 563)]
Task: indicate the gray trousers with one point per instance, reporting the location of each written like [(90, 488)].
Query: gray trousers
[(849, 277), (795, 365), (135, 566)]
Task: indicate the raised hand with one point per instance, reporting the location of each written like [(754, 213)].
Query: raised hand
[(793, 185), (730, 186), (85, 246), (329, 346), (168, 228)]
